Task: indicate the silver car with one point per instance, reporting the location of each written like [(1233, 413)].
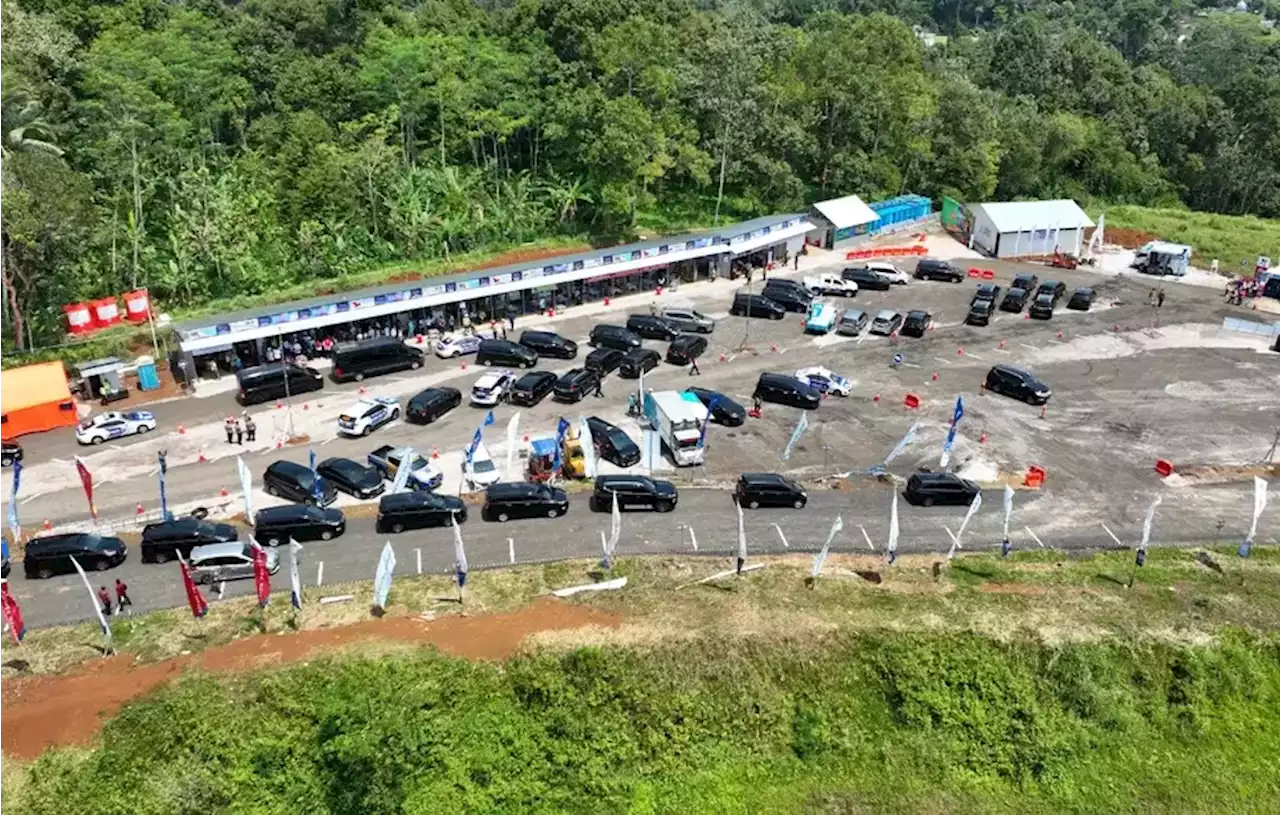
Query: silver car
[(886, 322), (852, 322), (227, 561), (687, 319)]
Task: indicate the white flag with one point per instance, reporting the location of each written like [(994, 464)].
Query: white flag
[(93, 598), (974, 506), (902, 445), (615, 527), (892, 548), (742, 538), (1008, 509), (1146, 523), (401, 480), (1259, 504), (295, 582), (801, 426), (588, 448), (246, 486), (459, 551), (821, 557), (382, 577), (513, 434)]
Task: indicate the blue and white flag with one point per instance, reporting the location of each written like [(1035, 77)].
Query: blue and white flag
[(1259, 504), (295, 582), (711, 406), (513, 436), (317, 489), (15, 528), (892, 547), (459, 555), (478, 436), (1146, 529), (562, 429), (589, 462), (246, 487), (801, 426), (407, 457), (950, 443), (821, 557), (902, 445), (164, 499), (382, 576)]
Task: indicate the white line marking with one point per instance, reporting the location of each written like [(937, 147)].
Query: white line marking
[(953, 537), (1112, 534), (320, 573), (1034, 536), (972, 356), (511, 550), (1028, 347), (943, 360), (785, 545), (867, 538)]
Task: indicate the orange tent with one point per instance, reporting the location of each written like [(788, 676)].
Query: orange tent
[(35, 398)]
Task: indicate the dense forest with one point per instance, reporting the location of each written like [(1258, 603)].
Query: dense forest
[(208, 148)]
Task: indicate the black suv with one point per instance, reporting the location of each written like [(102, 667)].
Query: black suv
[(756, 305), (639, 360), (791, 297), (1042, 308), (604, 360), (685, 349), (724, 410), (575, 384), (1081, 299), (652, 327), (275, 525), (1015, 300), (1026, 282), (428, 405), (916, 324), (287, 479), (523, 499), (986, 291), (549, 344), (373, 357), (161, 542), (418, 509), (787, 390), (532, 388), (1054, 287), (755, 490), (928, 489), (980, 312), (44, 557), (613, 336), (612, 443), (355, 479), (275, 380), (1017, 383), (867, 279), (931, 269), (503, 352), (633, 491)]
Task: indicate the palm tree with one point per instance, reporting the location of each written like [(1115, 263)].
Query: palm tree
[(23, 123)]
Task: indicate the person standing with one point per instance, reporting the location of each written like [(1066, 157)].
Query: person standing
[(511, 318), (104, 601), (1160, 299), (599, 394), (122, 596), (239, 432), (229, 426), (693, 368), (250, 427), (797, 266)]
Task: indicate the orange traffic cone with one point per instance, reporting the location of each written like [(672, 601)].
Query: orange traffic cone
[(182, 431), (435, 453), (959, 352), (935, 376), (47, 525), (875, 398), (983, 438), (223, 492), (279, 404), (140, 510)]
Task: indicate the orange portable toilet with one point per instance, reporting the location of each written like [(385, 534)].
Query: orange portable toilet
[(79, 318), (106, 312), (35, 398), (137, 306)]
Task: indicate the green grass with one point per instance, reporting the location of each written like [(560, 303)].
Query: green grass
[(1229, 238)]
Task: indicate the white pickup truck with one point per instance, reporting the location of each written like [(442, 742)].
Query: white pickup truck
[(831, 284)]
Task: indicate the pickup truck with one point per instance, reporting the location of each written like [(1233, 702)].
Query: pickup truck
[(422, 474), (831, 284)]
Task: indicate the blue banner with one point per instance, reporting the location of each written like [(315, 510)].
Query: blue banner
[(950, 443), (702, 437), (316, 489), (475, 439), (15, 528), (164, 471), (562, 428)]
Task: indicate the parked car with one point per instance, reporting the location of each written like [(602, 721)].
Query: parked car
[(418, 510), (114, 425), (724, 410), (866, 279), (986, 291), (549, 344), (685, 348), (756, 305), (688, 319), (633, 491), (273, 526), (821, 319), (614, 336), (787, 390), (825, 380), (934, 269), (532, 388), (429, 405), (612, 443), (1017, 383), (503, 352), (886, 322), (980, 312), (1042, 308), (523, 499), (1015, 300), (492, 388), (755, 490), (792, 297), (423, 475), (652, 327), (1026, 282), (355, 479), (275, 380), (916, 324), (217, 562), (45, 556), (832, 284), (852, 322), (928, 489), (1054, 287), (1081, 299), (888, 270), (357, 360), (288, 479), (457, 345), (575, 384), (480, 471), (604, 360), (367, 415), (638, 360), (161, 542), (12, 452)]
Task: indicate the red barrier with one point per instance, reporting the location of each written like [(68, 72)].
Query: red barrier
[(911, 401), (1035, 477), (987, 274), (1164, 467), (885, 252), (975, 272)]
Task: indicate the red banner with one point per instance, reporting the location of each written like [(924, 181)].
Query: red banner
[(194, 598), (86, 480), (261, 577), (12, 614)]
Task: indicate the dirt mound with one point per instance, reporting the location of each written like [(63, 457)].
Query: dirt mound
[(52, 711), (1128, 237)]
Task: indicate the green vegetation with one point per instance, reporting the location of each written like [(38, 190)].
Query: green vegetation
[(228, 152), (1235, 240)]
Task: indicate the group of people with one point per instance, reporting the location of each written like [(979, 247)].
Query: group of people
[(238, 433), (1242, 289), (122, 598)]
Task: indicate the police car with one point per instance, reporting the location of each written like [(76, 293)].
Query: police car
[(493, 388), (450, 347), (825, 380), (368, 415), (113, 425)]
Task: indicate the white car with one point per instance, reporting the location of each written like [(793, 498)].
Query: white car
[(831, 284), (450, 347), (825, 380), (493, 388), (895, 275), (481, 471), (367, 415), (113, 425)]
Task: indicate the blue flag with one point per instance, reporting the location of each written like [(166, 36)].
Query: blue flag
[(488, 419), (164, 471), (561, 430), (711, 406), (950, 443), (801, 426), (475, 442), (316, 488), (15, 528)]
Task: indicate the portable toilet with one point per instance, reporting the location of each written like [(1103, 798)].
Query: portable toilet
[(148, 377)]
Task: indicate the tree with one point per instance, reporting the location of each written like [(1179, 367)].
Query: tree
[(25, 128)]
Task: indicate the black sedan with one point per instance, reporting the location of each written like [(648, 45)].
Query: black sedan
[(352, 477), (1081, 299), (612, 443), (428, 405), (12, 453), (604, 361), (724, 410), (532, 388)]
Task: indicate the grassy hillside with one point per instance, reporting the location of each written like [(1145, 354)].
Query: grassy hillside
[(1229, 238)]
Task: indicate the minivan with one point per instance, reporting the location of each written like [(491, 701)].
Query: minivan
[(637, 361), (384, 355), (688, 319), (612, 443), (49, 555), (275, 525), (532, 388), (652, 327), (980, 312), (684, 350), (793, 298), (852, 322), (916, 324), (755, 490), (614, 336), (549, 344), (288, 479), (428, 405), (1018, 384), (928, 489), (867, 279), (633, 491), (161, 542), (217, 562), (1042, 308), (787, 390), (418, 510), (933, 269), (756, 305), (604, 360), (277, 380), (576, 384), (523, 499), (504, 352)]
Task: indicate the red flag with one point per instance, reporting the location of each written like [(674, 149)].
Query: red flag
[(87, 481), (261, 577), (12, 614), (194, 598)]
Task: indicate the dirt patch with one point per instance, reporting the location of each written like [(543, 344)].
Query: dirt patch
[(1214, 474), (54, 711), (522, 255), (1127, 237)]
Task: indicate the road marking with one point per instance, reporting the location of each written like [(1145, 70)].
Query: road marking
[(320, 573), (1029, 347), (867, 538), (952, 535), (1034, 536), (943, 360), (418, 554), (1112, 534), (785, 545), (972, 356)]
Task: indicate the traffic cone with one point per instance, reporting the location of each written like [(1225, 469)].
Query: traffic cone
[(1059, 335), (983, 438), (1026, 315), (47, 525), (419, 339), (435, 454), (724, 358), (658, 291), (182, 431), (202, 459), (606, 301), (462, 366), (223, 492), (959, 352), (362, 390), (306, 406), (935, 376), (1002, 343), (875, 398), (526, 438), (279, 404), (279, 444), (140, 510), (773, 346)]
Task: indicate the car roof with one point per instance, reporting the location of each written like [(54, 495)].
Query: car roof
[(534, 376), (435, 393), (512, 488), (853, 314), (1084, 290), (287, 466), (917, 313), (1012, 370), (218, 550), (641, 352), (763, 478), (492, 378), (366, 404), (886, 314), (601, 352)]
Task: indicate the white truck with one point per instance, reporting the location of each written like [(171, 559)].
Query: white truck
[(831, 284), (679, 419)]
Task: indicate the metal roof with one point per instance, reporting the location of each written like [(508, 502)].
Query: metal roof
[(1027, 216), (848, 211)]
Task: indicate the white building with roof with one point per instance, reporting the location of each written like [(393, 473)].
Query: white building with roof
[(841, 222), (1008, 229)]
